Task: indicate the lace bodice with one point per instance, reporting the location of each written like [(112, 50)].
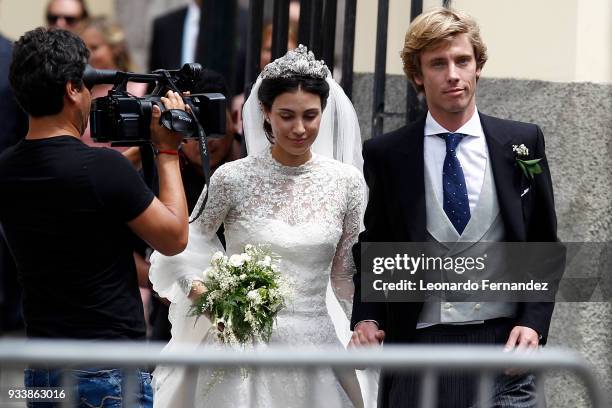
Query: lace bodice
[(309, 215)]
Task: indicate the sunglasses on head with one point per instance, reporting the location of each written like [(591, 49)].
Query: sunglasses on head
[(70, 20)]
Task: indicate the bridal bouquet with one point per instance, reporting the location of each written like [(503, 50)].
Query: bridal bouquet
[(244, 293)]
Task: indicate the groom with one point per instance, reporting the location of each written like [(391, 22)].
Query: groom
[(415, 174)]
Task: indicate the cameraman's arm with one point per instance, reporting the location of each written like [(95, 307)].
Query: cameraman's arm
[(133, 155), (164, 224)]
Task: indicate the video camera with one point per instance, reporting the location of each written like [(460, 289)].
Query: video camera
[(123, 119)]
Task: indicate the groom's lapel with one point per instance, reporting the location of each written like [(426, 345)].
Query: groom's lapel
[(507, 176), (410, 171)]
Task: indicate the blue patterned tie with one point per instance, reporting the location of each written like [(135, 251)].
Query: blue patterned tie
[(456, 203)]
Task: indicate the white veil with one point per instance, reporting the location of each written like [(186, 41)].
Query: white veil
[(339, 135)]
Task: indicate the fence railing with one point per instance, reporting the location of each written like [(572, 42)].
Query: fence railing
[(429, 361)]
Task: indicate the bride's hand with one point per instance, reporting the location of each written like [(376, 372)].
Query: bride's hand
[(197, 290)]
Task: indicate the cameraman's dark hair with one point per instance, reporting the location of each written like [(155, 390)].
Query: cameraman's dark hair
[(44, 60), (273, 87), (210, 82)]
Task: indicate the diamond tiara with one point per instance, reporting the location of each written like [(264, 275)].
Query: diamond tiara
[(297, 62)]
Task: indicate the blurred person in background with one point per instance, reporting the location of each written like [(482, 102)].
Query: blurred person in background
[(266, 42), (175, 37), (176, 40), (265, 57), (14, 127), (13, 118), (66, 14)]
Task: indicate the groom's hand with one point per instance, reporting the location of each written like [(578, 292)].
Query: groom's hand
[(366, 334), (522, 339)]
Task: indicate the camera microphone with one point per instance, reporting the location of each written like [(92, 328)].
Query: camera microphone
[(93, 76), (191, 70)]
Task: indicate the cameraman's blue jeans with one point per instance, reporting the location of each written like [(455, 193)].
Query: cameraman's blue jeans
[(99, 388)]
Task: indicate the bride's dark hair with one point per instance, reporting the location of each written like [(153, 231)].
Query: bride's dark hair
[(272, 87)]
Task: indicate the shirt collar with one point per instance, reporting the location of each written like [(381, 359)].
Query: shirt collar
[(193, 13), (472, 127)]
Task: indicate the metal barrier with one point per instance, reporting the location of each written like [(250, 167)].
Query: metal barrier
[(428, 360)]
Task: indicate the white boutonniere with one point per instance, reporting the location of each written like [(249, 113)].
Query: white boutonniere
[(528, 167)]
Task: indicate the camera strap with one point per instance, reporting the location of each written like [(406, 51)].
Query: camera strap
[(202, 142), (176, 120)]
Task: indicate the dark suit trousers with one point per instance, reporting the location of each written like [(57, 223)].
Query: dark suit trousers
[(459, 389)]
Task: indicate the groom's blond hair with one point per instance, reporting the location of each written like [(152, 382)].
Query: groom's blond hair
[(437, 25)]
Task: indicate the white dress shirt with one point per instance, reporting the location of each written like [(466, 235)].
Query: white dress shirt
[(190, 33), (472, 154)]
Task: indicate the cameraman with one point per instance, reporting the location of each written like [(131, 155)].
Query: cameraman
[(69, 211)]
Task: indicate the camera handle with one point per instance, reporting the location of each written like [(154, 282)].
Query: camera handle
[(202, 142)]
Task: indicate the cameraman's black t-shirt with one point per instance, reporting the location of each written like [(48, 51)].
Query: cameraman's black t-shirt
[(64, 209)]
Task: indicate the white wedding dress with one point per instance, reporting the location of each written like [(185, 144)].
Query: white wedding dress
[(310, 216)]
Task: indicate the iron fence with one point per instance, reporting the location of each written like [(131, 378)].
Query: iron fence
[(428, 361)]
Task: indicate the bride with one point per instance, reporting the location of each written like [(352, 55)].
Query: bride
[(291, 195)]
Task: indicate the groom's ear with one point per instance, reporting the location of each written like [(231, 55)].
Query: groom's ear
[(418, 79)]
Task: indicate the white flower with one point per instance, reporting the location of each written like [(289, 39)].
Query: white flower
[(217, 256), (248, 316), (226, 280), (236, 260), (254, 296), (243, 276), (520, 150), (248, 248), (266, 262), (209, 272), (213, 295)]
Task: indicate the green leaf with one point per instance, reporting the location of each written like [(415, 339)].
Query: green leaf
[(523, 167), (529, 167), (536, 169), (530, 162)]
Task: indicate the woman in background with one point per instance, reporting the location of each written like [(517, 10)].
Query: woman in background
[(65, 14)]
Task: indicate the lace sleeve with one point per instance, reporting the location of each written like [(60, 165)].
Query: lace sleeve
[(343, 266), (172, 276)]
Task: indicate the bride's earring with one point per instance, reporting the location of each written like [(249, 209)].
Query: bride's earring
[(267, 127)]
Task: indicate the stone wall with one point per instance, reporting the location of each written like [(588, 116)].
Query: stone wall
[(576, 119)]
